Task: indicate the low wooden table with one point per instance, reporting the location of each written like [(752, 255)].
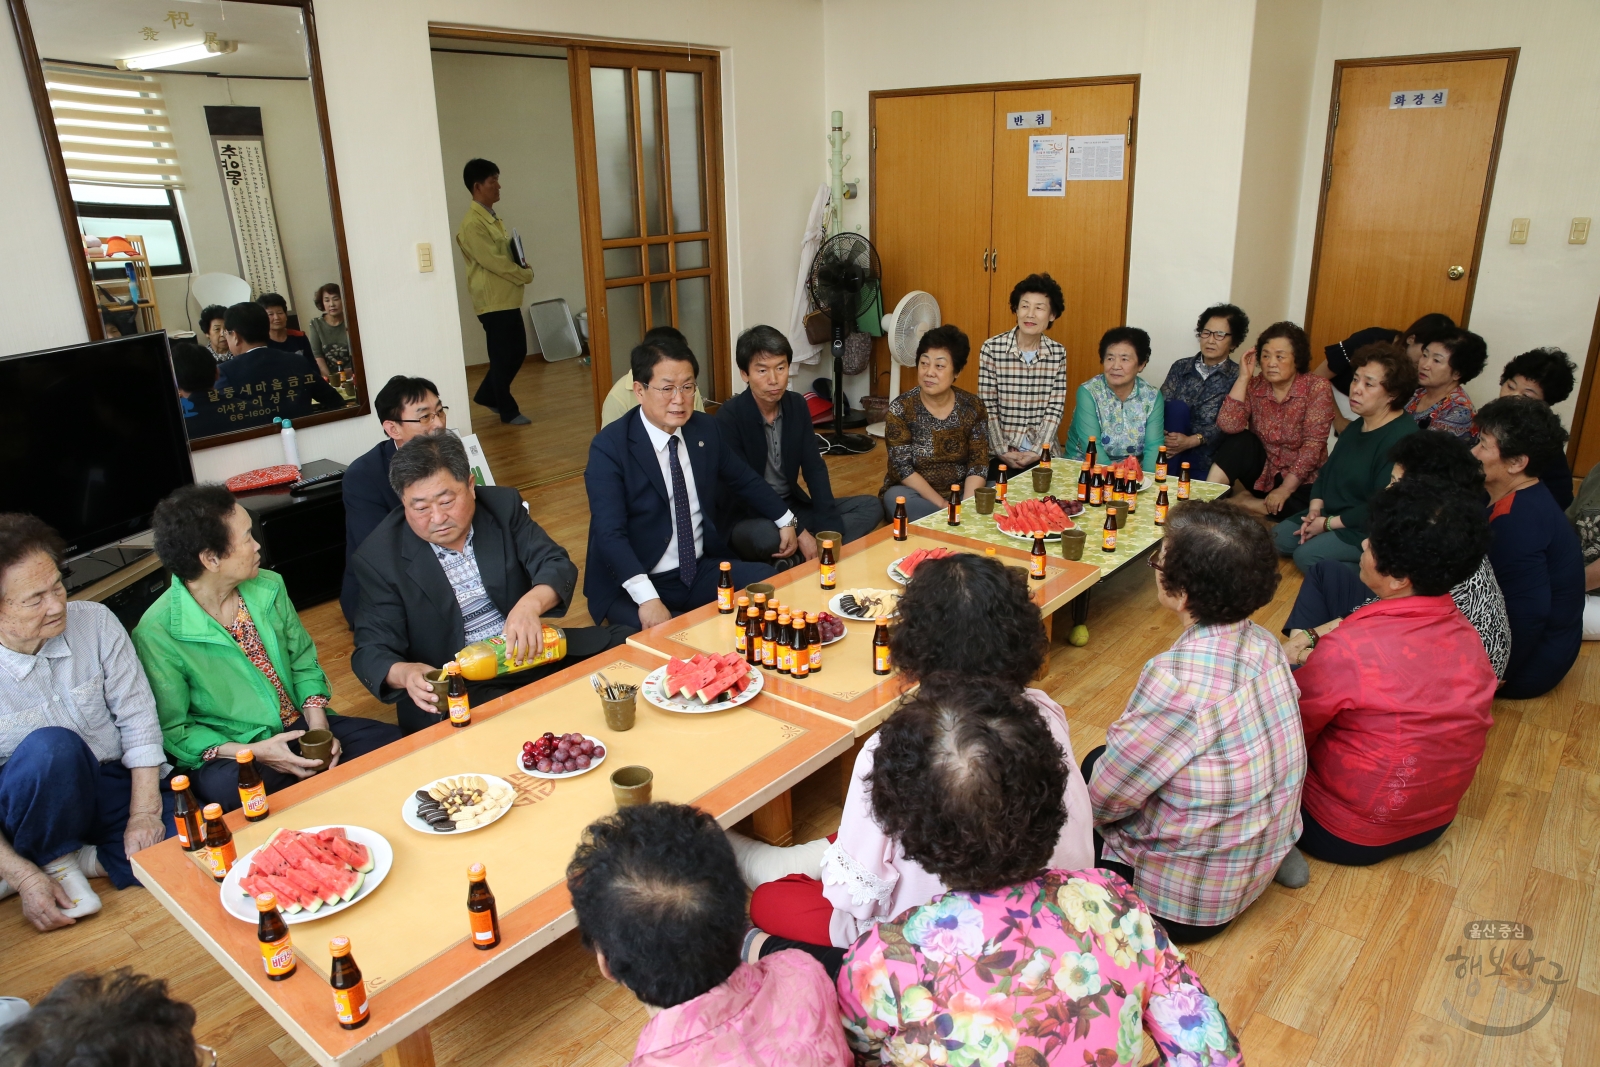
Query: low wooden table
[(411, 936), (1138, 535)]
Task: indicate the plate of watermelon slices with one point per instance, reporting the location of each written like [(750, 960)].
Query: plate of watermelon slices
[(1020, 518), (901, 569), (702, 683), (314, 872)]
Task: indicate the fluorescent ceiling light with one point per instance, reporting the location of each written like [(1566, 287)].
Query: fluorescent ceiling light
[(173, 56)]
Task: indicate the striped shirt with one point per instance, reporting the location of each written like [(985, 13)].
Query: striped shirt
[(1199, 787), (1025, 394), (479, 617)]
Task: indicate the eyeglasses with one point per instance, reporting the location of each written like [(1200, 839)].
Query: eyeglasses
[(666, 392), (201, 1054), (430, 416), (1152, 562), (1213, 335)]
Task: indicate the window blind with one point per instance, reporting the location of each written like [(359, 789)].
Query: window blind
[(112, 126)]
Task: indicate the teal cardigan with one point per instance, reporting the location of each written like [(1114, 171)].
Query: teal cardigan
[(207, 691)]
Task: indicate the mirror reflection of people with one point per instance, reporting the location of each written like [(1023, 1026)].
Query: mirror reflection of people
[(204, 413), (1123, 411), (1022, 377), (211, 328), (454, 564), (261, 380), (769, 427), (936, 435), (120, 1017), (495, 280), (228, 659), (328, 334), (405, 407), (653, 477), (80, 744), (279, 335)]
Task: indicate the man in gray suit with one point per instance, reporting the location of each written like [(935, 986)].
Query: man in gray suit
[(457, 563)]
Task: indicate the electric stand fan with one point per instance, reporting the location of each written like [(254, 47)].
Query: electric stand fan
[(915, 314), (839, 286)]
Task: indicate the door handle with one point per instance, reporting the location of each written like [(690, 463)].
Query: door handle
[(1457, 273), (994, 261), (986, 261)]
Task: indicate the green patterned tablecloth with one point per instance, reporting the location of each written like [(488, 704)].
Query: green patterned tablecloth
[(1136, 535)]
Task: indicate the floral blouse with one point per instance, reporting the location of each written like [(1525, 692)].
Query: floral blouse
[(944, 451), (1136, 426), (1453, 414), (1063, 971), (1294, 431)]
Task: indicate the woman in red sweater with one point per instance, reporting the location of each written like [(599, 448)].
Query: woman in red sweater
[(1395, 702)]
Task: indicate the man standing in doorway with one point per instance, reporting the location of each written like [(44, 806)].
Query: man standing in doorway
[(1022, 377), (495, 278)]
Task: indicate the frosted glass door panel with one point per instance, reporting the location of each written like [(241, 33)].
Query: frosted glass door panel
[(624, 325), (613, 146), (694, 319), (686, 151)]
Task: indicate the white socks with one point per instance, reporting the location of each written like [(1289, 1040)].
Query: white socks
[(67, 871), (759, 863), (89, 860)]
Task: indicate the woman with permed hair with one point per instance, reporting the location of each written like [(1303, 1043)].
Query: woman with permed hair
[(1196, 788), (1020, 960), (1449, 361), (964, 613)]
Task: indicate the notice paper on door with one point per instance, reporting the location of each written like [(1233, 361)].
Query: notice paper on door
[(1047, 166), (1095, 159)]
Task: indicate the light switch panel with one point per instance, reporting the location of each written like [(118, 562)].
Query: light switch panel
[(1579, 234), (425, 257), (1519, 231)]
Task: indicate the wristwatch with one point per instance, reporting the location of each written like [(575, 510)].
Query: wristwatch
[(792, 524)]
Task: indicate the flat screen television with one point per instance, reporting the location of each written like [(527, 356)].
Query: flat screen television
[(91, 437)]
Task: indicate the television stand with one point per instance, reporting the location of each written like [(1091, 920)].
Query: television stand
[(87, 570)]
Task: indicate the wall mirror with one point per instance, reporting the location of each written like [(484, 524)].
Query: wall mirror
[(189, 147)]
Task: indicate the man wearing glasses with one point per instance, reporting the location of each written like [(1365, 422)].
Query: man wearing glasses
[(654, 543), (407, 407)]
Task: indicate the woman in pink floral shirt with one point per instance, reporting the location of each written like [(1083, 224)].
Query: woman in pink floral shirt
[(1016, 963)]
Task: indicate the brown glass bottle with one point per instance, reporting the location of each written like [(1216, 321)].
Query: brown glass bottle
[(1161, 507), (813, 642), (1183, 482), (880, 648), (1036, 564), (784, 660), (349, 991), (186, 814), (1161, 464), (481, 912), (277, 950), (769, 641), (739, 642), (1097, 489), (1000, 485), (1044, 458), (725, 589), (1089, 457), (221, 854), (955, 506), (1083, 483), (827, 566), (1108, 538), (456, 696), (752, 636), (252, 791), (902, 524), (800, 652)]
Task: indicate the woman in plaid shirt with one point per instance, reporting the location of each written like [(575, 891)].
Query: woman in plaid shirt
[(1196, 793)]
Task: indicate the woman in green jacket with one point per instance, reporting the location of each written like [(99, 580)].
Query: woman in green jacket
[(1359, 466), (228, 660)]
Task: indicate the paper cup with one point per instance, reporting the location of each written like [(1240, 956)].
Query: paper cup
[(983, 500), (620, 713), (631, 786)]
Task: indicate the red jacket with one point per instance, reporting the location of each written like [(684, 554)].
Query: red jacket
[(1396, 704)]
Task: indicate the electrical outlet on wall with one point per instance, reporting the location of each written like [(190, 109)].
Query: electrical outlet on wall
[(1519, 231), (425, 257)]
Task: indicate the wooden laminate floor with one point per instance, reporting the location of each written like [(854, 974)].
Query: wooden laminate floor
[(559, 399), (1369, 967)]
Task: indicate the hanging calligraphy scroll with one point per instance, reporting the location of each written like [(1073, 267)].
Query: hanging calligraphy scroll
[(241, 154)]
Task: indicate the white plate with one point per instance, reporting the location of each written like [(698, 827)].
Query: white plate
[(894, 569), (565, 774), (242, 905), (651, 691), (408, 810), (833, 606), (1029, 537)]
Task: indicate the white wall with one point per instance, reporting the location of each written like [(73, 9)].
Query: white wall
[(378, 72), (1543, 292), (1194, 61), (516, 111)]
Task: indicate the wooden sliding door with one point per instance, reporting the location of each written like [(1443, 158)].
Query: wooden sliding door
[(650, 184), (952, 214)]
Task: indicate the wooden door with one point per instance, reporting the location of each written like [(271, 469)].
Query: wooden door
[(1405, 190), (931, 192), (1081, 238), (650, 186)]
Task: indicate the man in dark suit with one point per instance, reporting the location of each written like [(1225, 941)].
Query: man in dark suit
[(769, 426), (268, 380), (653, 478), (407, 407), (457, 563)]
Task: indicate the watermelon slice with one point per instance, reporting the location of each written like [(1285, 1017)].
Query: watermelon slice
[(719, 683), (353, 853)]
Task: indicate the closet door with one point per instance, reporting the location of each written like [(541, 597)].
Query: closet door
[(931, 189), (1079, 238)]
